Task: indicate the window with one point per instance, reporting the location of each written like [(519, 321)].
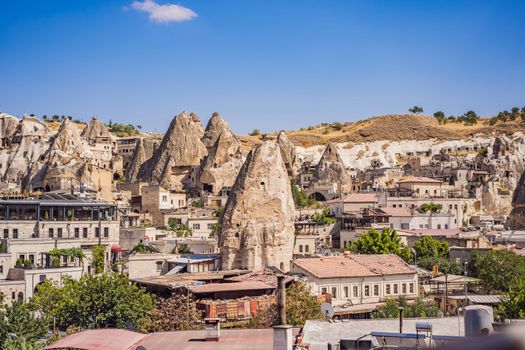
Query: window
[(306, 248), (334, 292), (32, 258), (395, 289), (355, 292), (97, 232), (196, 226), (446, 226), (376, 290), (51, 232), (59, 232), (210, 226), (64, 259), (300, 248), (387, 291), (164, 198), (22, 257), (404, 226), (345, 291), (324, 290), (13, 295), (411, 288), (77, 232), (1, 268), (6, 233), (439, 226), (404, 288), (106, 232), (15, 233), (367, 291)]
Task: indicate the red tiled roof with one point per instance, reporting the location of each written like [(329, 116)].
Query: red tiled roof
[(228, 287), (99, 339), (360, 198), (355, 265), (419, 180)]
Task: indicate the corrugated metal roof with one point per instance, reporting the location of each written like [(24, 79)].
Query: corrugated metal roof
[(228, 287)]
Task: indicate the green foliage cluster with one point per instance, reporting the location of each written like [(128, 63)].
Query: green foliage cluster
[(468, 118), (97, 258), (505, 116), (101, 301), (214, 230), (513, 301), (141, 249), (337, 126), (416, 110), (428, 246), (20, 326), (181, 249), (440, 116), (418, 309), (255, 132), (218, 212), (123, 130), (300, 199), (75, 253), (196, 204), (497, 268), (385, 242), (431, 207), (180, 229), (323, 217)]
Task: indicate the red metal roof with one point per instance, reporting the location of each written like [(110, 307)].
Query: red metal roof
[(228, 287), (99, 339)]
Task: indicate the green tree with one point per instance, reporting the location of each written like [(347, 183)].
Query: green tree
[(385, 242), (513, 301), (428, 246), (416, 110), (323, 217), (255, 132), (417, 309), (101, 301), (470, 118), (180, 229), (431, 207), (141, 249), (443, 264), (497, 268), (440, 117), (97, 258), (20, 321)]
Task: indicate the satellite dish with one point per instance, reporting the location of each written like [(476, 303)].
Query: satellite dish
[(327, 310)]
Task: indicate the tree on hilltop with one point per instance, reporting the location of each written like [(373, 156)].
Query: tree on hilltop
[(416, 110)]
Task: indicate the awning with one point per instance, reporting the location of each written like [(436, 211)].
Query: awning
[(116, 248)]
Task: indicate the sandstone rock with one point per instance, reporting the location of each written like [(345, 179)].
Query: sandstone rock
[(96, 130), (288, 154), (137, 159), (331, 172), (180, 149), (516, 220), (8, 126), (215, 127), (221, 166), (257, 228)]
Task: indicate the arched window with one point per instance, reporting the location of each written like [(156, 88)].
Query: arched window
[(20, 296)]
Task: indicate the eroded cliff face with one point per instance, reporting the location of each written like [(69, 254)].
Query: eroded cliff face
[(288, 154), (180, 149), (215, 127), (220, 167), (258, 224), (331, 171), (96, 130)]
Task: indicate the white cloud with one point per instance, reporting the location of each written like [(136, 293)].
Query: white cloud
[(164, 13)]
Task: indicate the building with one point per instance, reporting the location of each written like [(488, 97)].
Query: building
[(34, 231), (358, 284)]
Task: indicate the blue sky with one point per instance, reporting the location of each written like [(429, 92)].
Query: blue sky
[(267, 64)]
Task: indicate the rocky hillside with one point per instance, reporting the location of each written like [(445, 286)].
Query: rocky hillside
[(396, 128)]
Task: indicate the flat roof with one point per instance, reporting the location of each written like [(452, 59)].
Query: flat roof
[(184, 279), (99, 339), (229, 287)]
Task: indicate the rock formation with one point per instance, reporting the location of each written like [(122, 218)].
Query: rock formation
[(215, 127), (8, 126), (137, 159), (331, 172), (288, 154), (257, 228), (180, 149), (28, 143), (221, 166), (516, 220), (96, 130)]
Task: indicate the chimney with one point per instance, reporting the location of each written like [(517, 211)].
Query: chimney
[(282, 333), (212, 329)]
